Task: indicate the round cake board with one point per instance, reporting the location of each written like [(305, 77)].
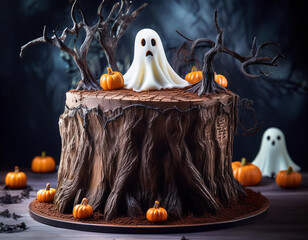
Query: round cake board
[(146, 229)]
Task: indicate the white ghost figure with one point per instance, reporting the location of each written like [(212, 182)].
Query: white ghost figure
[(273, 155), (150, 69)]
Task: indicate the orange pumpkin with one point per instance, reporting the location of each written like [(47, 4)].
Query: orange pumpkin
[(16, 179), (246, 173), (196, 76), (221, 80), (157, 214), (46, 195), (288, 178), (82, 210), (43, 164), (111, 80)]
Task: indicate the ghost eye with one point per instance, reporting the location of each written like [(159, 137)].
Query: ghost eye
[(268, 138), (153, 42), (278, 137), (143, 42)]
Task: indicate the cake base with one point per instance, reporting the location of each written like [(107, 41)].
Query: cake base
[(253, 206)]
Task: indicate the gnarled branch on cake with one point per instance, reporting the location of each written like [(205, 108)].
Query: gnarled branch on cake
[(208, 83), (108, 31), (111, 29), (79, 55)]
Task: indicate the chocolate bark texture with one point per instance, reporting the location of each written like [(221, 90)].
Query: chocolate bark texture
[(123, 150)]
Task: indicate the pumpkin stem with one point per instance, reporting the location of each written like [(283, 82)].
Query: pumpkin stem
[(110, 72), (48, 186), (193, 69), (43, 154), (243, 161), (16, 170), (84, 202), (290, 170), (156, 204)]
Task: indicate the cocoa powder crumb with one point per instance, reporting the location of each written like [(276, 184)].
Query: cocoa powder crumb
[(252, 202)]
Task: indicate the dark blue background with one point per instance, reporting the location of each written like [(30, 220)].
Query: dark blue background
[(33, 88)]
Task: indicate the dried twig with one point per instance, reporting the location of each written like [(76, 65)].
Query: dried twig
[(9, 199), (6, 213), (12, 227)]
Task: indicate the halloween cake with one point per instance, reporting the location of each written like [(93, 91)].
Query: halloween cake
[(150, 136)]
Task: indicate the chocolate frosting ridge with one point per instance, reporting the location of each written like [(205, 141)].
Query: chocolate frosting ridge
[(161, 99)]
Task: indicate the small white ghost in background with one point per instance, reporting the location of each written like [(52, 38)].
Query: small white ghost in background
[(150, 69), (273, 155)]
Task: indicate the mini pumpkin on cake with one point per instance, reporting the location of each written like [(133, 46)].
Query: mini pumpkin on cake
[(158, 138)]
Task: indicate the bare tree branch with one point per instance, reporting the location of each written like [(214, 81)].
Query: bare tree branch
[(113, 27), (87, 79), (208, 83)]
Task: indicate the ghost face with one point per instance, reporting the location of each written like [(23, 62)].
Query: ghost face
[(148, 44), (273, 141), (150, 69), (273, 155)]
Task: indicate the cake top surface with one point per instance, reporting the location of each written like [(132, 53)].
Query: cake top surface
[(162, 99), (173, 95)]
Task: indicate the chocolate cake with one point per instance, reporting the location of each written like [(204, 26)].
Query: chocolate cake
[(156, 139), (123, 150)]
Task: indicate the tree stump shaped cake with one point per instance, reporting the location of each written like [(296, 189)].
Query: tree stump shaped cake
[(123, 150)]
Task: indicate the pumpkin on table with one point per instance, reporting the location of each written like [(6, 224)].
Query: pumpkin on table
[(82, 210), (196, 76), (16, 179), (246, 173), (288, 178), (156, 213), (46, 195), (111, 80), (43, 164)]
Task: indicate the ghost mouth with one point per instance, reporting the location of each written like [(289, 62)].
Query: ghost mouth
[(149, 53)]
